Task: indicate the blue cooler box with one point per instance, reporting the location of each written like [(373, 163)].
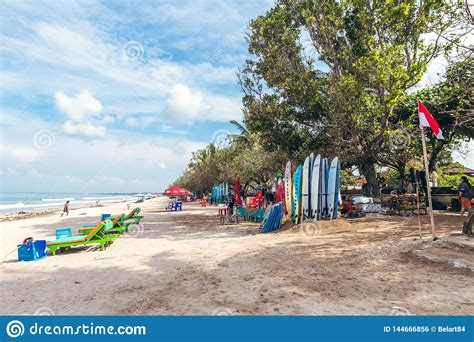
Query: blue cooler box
[(32, 251)]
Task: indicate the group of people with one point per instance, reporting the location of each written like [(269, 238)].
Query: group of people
[(230, 202)]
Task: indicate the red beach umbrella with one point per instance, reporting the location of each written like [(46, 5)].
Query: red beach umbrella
[(238, 198), (175, 191)]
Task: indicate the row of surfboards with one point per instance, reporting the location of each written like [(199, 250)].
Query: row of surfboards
[(312, 191), (219, 192)]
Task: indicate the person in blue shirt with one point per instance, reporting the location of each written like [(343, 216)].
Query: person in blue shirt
[(465, 194)]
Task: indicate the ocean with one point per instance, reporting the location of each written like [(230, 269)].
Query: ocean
[(12, 202)]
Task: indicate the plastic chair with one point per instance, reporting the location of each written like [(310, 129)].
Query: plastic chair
[(63, 232)]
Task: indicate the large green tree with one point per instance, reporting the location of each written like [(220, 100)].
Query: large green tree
[(373, 51), (451, 102)]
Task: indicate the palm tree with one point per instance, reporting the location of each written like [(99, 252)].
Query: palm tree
[(243, 137)]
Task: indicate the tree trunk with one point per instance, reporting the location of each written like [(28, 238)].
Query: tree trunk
[(401, 174), (370, 189)]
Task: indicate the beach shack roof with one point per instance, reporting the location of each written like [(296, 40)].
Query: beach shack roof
[(459, 170)]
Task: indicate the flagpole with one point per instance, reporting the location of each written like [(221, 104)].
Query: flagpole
[(428, 186)]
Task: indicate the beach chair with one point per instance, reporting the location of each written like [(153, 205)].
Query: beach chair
[(250, 213), (118, 226), (132, 216), (258, 214), (241, 212), (178, 205), (95, 236)]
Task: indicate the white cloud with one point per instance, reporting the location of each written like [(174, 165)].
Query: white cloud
[(132, 122), (9, 172), (434, 73), (19, 154), (83, 59), (190, 106), (54, 164), (108, 119), (33, 173), (184, 103), (78, 107), (465, 155), (87, 129)]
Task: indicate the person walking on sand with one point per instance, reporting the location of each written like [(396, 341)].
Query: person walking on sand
[(465, 193), (66, 209)]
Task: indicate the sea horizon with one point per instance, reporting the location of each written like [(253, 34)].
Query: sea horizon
[(14, 201)]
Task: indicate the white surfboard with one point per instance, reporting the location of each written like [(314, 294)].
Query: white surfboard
[(323, 189), (305, 188), (315, 178), (332, 188)]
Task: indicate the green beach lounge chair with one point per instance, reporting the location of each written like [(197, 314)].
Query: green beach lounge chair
[(257, 215), (95, 236), (118, 226), (132, 216)]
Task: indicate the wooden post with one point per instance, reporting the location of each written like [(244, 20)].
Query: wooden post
[(428, 186)]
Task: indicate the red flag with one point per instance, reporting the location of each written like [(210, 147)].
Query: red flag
[(427, 120)]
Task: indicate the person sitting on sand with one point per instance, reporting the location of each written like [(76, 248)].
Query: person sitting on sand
[(465, 193), (346, 206), (66, 209)]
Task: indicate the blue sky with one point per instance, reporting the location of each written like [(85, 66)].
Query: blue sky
[(113, 96)]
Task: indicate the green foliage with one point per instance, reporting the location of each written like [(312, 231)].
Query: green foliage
[(375, 51), (347, 179), (360, 107), (452, 180), (243, 158), (392, 178)]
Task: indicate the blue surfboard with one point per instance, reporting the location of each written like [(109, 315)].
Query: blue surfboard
[(269, 223), (277, 221), (297, 194)]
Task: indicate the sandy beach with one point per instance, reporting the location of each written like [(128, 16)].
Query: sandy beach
[(186, 263)]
